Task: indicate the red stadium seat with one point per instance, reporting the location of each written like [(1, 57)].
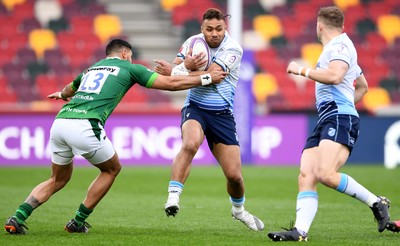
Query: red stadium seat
[(23, 11), (47, 84), (80, 25), (137, 95)]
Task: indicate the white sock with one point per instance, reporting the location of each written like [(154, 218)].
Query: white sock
[(352, 188), (237, 205), (306, 209), (174, 191)]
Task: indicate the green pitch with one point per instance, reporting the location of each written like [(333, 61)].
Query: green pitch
[(132, 212)]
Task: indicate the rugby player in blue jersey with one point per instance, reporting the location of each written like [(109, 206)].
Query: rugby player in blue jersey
[(340, 84), (208, 113)]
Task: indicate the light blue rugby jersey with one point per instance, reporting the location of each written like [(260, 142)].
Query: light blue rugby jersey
[(338, 99), (217, 97)]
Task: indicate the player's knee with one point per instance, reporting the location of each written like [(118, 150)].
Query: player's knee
[(191, 146), (116, 169), (234, 178)]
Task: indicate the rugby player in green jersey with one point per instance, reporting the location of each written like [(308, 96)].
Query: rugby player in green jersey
[(79, 128)]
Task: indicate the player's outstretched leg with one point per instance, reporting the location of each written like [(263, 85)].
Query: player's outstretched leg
[(381, 212), (288, 235), (393, 226), (13, 227)]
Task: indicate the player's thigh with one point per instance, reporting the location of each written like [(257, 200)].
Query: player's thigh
[(192, 133), (333, 156), (228, 156)]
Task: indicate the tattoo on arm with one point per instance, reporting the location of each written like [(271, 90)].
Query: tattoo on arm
[(33, 202)]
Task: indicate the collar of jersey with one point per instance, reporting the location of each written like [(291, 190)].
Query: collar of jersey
[(113, 57)]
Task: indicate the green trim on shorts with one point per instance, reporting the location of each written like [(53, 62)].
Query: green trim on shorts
[(95, 127)]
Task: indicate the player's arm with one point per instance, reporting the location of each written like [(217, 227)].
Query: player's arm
[(361, 88), (183, 82), (65, 94), (332, 75)]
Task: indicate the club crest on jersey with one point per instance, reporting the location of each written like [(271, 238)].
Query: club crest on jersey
[(232, 59), (331, 132), (187, 115)]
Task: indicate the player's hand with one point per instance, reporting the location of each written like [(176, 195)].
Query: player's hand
[(192, 63), (293, 67), (162, 67), (217, 76), (57, 96)]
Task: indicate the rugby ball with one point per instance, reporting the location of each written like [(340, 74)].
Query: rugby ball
[(198, 45)]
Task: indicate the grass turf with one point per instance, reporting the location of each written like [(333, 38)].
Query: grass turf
[(132, 212)]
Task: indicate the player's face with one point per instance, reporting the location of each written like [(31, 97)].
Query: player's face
[(214, 32)]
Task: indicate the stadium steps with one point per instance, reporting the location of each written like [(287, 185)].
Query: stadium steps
[(149, 28)]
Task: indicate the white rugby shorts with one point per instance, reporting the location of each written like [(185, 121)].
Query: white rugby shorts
[(70, 137)]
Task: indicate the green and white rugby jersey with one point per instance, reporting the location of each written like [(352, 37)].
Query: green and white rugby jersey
[(102, 86)]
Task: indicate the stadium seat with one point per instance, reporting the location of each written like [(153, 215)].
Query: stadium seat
[(377, 43), (58, 25), (10, 4), (344, 4), (389, 27), (47, 10), (14, 72), (81, 25), (71, 9), (252, 9), (304, 12), (107, 26), (253, 41), (41, 40), (47, 84), (291, 28), (8, 50), (35, 68), (93, 8), (377, 9), (168, 5), (376, 98), (23, 11), (7, 95), (264, 85), (391, 84), (268, 26), (11, 28), (282, 11), (310, 53), (137, 95), (354, 14), (29, 24), (25, 56), (269, 5)]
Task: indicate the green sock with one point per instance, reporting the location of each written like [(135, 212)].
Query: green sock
[(81, 214), (23, 212)]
